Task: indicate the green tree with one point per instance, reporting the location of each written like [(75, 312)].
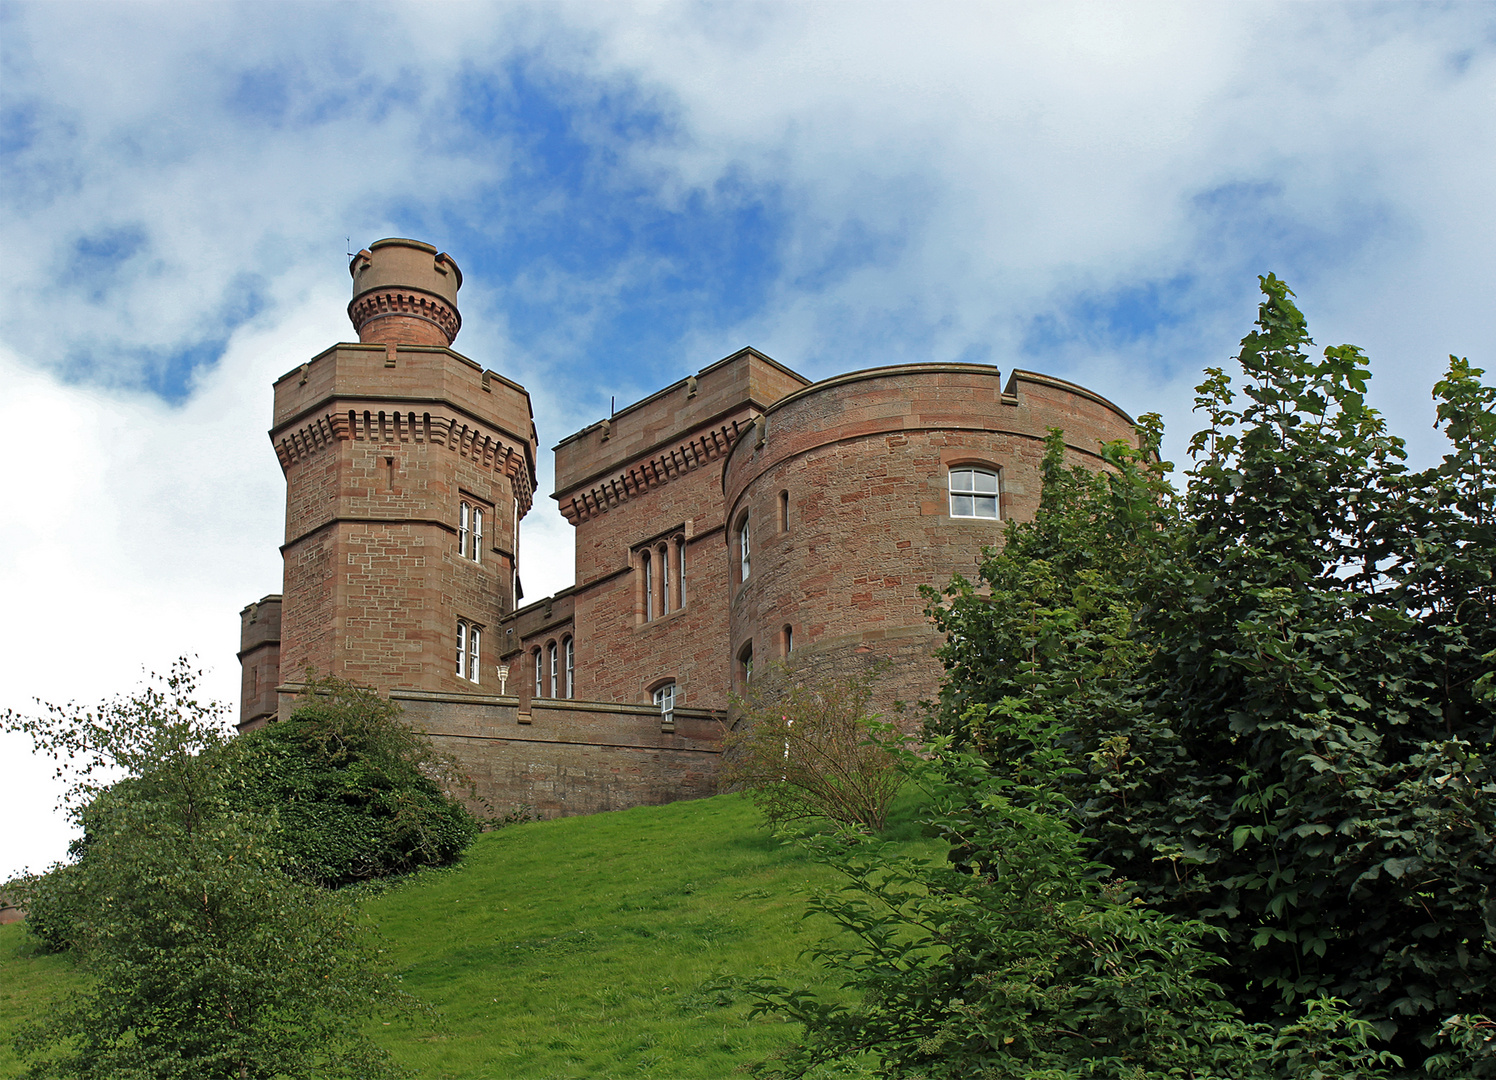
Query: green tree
[(356, 791), (207, 961), (1280, 683), (1016, 960)]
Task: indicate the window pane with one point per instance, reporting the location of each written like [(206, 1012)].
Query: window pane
[(961, 506), (665, 580), (983, 481), (649, 589), (986, 506)]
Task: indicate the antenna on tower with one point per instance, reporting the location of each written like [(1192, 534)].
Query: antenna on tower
[(349, 243)]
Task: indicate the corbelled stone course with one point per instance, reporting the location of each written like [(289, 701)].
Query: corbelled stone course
[(844, 484)]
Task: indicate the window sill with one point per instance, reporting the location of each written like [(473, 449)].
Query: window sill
[(658, 619)]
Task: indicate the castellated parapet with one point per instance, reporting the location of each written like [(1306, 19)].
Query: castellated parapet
[(845, 489), (736, 518)]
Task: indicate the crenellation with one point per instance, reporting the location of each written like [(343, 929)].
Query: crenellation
[(393, 447)]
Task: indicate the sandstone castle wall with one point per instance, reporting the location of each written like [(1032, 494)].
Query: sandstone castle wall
[(390, 445)]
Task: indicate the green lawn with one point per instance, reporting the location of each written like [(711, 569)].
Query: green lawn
[(28, 980), (575, 948)]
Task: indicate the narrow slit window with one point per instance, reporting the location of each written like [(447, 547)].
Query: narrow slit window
[(784, 511), (789, 639), (664, 579), (745, 552), (974, 493), (649, 588), (680, 566)]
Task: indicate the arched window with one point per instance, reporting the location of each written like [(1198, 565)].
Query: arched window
[(664, 697), (649, 589), (470, 530), (552, 656), (664, 579), (745, 550), (789, 639), (784, 511), (569, 647), (468, 640), (539, 674), (745, 665), (974, 492)]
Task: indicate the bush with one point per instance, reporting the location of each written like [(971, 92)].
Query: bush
[(358, 793), (812, 750), (204, 958)]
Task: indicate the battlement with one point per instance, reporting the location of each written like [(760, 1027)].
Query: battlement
[(738, 516), (686, 425)]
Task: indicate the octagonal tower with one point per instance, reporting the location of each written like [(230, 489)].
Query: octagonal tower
[(408, 467)]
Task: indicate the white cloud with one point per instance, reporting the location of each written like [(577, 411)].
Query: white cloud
[(942, 173)]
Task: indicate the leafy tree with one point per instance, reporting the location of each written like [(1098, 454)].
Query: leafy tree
[(1280, 683), (207, 961), (1019, 961), (357, 792), (809, 748)]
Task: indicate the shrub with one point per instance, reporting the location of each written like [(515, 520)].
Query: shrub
[(205, 959), (358, 793), (806, 750)]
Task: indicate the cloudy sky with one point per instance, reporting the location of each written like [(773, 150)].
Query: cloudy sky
[(633, 192)]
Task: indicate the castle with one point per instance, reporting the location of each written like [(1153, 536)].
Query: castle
[(736, 517)]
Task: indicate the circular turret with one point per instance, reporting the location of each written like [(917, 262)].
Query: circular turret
[(847, 496), (405, 293)]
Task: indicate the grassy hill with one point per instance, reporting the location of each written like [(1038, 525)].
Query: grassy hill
[(574, 948)]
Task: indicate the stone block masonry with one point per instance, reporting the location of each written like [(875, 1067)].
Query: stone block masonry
[(739, 517)]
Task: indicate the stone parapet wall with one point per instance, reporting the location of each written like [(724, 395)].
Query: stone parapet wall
[(570, 757)]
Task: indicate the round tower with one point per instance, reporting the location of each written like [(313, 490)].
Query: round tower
[(849, 495), (405, 293)]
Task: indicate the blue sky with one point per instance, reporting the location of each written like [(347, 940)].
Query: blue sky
[(635, 191)]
